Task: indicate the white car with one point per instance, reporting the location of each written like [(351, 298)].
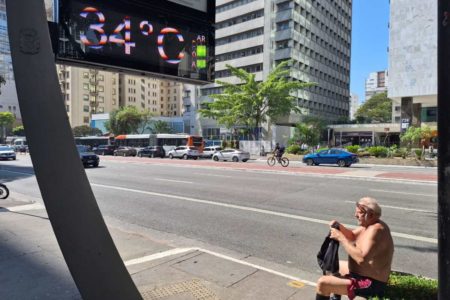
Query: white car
[(209, 151), (184, 152), (7, 153), (231, 154)]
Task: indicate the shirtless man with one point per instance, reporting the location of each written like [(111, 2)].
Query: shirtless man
[(370, 250)]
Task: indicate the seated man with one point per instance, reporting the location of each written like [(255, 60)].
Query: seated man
[(370, 250)]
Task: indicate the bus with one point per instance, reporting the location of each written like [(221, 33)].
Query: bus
[(167, 140), (94, 141)]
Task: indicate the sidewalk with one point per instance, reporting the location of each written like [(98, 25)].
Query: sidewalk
[(33, 266)]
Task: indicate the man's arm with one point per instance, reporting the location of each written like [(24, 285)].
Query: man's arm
[(361, 252)]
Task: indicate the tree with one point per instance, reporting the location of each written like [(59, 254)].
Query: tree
[(309, 131), (250, 103), (160, 127), (19, 131), (377, 109), (413, 135), (6, 121), (85, 130), (124, 120), (146, 120)]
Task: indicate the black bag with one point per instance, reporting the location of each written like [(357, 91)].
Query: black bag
[(328, 257)]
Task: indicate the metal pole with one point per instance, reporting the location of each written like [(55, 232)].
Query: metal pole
[(444, 147), (82, 235)]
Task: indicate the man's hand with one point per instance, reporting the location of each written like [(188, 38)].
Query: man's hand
[(335, 224), (335, 234)]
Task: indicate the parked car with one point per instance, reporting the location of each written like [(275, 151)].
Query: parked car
[(231, 155), (337, 156), (184, 152), (105, 150), (7, 152), (209, 151), (88, 158), (152, 151), (125, 151)]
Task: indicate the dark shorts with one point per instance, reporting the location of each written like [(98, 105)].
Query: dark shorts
[(364, 286)]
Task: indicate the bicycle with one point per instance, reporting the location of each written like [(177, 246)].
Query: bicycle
[(4, 192), (284, 161)]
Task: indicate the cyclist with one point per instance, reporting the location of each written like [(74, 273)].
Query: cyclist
[(278, 151)]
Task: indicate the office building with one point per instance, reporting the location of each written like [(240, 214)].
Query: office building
[(257, 34), (413, 62), (376, 83)]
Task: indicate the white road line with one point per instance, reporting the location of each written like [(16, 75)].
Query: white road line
[(34, 206), (401, 208), (257, 210), (215, 175), (183, 250), (170, 180), (403, 193), (22, 173)]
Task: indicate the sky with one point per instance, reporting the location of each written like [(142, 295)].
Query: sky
[(370, 39)]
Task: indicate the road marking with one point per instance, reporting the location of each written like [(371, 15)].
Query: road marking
[(215, 175), (222, 256), (34, 206), (401, 208), (257, 210), (170, 180), (403, 193)]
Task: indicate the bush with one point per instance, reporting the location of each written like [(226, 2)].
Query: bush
[(378, 151), (410, 287), (352, 149), (418, 153), (401, 152), (363, 154), (293, 149)]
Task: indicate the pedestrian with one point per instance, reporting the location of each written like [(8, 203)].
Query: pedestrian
[(370, 250)]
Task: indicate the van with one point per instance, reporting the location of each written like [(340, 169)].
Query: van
[(20, 145), (209, 151)]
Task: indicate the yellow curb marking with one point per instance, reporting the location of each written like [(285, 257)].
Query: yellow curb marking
[(296, 284)]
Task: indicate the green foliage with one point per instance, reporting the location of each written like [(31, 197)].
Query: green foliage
[(309, 131), (413, 135), (160, 127), (7, 119), (403, 286), (352, 149), (126, 120), (293, 149), (85, 130), (418, 153), (378, 151), (250, 103), (377, 109), (19, 131)]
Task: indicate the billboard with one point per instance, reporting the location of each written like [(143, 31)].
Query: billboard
[(160, 37)]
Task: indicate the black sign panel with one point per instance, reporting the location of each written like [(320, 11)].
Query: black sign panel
[(157, 37)]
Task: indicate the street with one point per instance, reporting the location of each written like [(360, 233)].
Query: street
[(276, 216)]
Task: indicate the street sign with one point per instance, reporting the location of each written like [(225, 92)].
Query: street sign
[(145, 37)]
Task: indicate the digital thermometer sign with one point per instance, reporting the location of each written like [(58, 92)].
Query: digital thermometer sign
[(157, 37)]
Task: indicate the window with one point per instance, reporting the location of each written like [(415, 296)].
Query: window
[(85, 97), (85, 86), (86, 120), (86, 108)]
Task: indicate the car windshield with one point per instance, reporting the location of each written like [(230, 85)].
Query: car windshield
[(82, 149), (6, 149)]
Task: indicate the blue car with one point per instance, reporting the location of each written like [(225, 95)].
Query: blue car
[(331, 156)]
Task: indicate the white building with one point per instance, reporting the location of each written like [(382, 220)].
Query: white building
[(376, 83), (257, 34), (354, 105), (413, 61)]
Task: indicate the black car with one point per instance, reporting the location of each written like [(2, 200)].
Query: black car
[(152, 151), (105, 150), (88, 158)]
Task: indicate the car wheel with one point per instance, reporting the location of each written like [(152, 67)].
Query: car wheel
[(95, 165), (348, 165), (245, 160), (184, 156), (235, 158), (309, 162), (341, 163), (170, 156), (195, 157), (215, 158)]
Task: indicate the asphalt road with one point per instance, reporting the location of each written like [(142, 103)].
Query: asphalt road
[(275, 217)]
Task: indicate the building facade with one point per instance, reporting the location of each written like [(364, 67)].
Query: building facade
[(376, 83), (257, 34), (413, 62)]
